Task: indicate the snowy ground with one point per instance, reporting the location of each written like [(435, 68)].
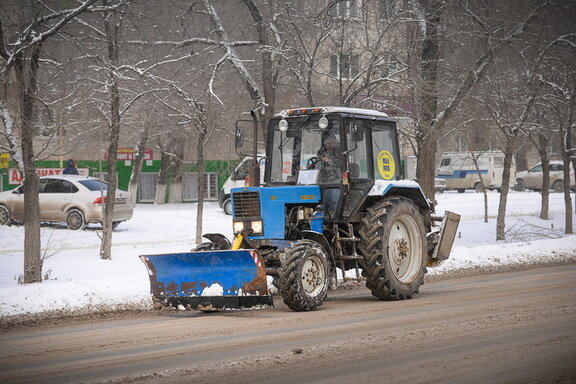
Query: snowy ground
[(77, 280)]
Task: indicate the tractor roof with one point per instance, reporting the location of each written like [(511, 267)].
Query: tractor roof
[(324, 110)]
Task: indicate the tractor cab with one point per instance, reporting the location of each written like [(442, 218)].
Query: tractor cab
[(342, 150)]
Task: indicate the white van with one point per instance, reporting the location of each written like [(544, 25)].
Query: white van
[(410, 164), (236, 179), (460, 172)]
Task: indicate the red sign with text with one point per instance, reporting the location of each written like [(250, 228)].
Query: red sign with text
[(15, 178)]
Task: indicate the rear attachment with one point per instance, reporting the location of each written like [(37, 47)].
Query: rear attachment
[(444, 239), (209, 281)]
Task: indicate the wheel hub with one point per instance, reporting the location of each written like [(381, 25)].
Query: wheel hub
[(404, 252), (312, 276), (402, 249)]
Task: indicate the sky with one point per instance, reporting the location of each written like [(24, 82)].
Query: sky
[(77, 281)]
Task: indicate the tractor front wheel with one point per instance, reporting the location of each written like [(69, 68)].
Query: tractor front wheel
[(303, 276), (394, 249)]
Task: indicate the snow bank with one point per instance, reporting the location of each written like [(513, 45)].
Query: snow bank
[(77, 280)]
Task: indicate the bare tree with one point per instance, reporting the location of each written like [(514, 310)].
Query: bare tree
[(557, 75), (541, 142), (431, 116), (22, 54)]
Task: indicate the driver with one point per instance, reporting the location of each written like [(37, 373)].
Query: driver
[(329, 158)]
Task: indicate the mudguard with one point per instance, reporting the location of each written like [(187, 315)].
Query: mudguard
[(207, 281)]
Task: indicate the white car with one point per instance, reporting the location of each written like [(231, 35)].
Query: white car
[(73, 199), (533, 177)]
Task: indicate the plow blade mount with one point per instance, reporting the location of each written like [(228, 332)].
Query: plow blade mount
[(209, 281)]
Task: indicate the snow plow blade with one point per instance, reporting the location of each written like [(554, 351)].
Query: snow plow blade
[(209, 281)]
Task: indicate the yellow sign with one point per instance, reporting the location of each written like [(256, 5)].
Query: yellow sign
[(4, 158), (386, 165)]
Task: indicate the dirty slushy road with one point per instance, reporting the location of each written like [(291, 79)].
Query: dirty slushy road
[(515, 327)]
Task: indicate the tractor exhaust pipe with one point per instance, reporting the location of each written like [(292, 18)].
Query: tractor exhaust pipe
[(254, 172)]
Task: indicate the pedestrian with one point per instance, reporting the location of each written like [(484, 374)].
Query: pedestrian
[(70, 168)]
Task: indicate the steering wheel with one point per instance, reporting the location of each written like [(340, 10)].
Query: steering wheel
[(312, 162)]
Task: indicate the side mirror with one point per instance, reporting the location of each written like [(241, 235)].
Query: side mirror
[(358, 130), (239, 136)]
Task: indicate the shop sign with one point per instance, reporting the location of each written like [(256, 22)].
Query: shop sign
[(15, 178), (4, 158), (124, 154)]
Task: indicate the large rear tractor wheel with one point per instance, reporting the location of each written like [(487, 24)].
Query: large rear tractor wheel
[(303, 276), (394, 249)]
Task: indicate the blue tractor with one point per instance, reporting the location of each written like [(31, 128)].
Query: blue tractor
[(333, 198)]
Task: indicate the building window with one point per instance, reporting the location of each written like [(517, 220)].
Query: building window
[(190, 184), (387, 8), (345, 66), (346, 9), (390, 66)]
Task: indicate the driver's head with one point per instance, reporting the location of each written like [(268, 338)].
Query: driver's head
[(330, 140)]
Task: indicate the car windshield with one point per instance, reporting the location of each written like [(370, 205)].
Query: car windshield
[(94, 185), (303, 146)]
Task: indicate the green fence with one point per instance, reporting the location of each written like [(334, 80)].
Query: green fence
[(124, 169)]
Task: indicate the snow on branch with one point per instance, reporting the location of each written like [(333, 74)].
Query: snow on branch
[(479, 68), (30, 36), (233, 58)]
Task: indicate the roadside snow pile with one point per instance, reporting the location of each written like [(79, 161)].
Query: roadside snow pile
[(77, 281), (551, 251)]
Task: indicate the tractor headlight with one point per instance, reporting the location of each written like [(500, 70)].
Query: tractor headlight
[(238, 226), (256, 226)]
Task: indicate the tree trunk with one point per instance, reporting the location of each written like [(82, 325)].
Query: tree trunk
[(484, 191), (165, 161), (137, 170), (112, 38), (27, 81), (201, 189), (268, 79), (426, 145), (508, 157), (542, 143), (566, 151), (427, 98), (175, 193)]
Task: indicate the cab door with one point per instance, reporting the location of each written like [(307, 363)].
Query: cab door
[(372, 154)]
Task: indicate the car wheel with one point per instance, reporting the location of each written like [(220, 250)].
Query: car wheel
[(4, 215), (75, 220), (478, 188), (520, 186), (115, 224), (227, 206), (558, 186)]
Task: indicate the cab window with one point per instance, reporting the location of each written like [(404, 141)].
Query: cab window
[(385, 154)]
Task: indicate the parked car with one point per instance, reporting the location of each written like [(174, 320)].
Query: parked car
[(236, 179), (73, 199), (532, 178)]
